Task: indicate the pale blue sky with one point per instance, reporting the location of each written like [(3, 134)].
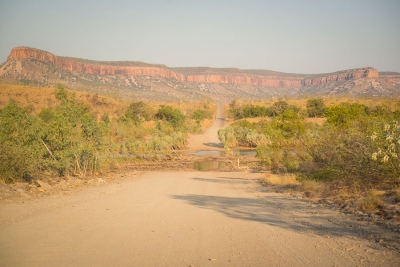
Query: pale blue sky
[(309, 36)]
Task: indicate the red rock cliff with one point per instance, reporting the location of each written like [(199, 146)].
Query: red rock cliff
[(348, 75), (273, 81)]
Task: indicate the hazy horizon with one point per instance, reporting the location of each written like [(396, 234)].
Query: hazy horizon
[(287, 36)]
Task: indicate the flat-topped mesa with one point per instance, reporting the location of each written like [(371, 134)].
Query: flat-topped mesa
[(88, 68), (348, 75), (72, 65), (135, 68)]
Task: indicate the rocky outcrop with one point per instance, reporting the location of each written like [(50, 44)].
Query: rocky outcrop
[(97, 68), (348, 75)]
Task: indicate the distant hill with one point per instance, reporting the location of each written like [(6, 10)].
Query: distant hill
[(140, 80)]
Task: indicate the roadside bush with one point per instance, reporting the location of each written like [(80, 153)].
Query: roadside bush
[(227, 137), (387, 143), (20, 143), (202, 114)]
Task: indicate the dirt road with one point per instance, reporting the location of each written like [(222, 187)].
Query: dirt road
[(209, 139), (186, 219)]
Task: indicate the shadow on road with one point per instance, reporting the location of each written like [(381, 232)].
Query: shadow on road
[(285, 212), (218, 145)]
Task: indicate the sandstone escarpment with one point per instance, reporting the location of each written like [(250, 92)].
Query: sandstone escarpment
[(87, 68), (158, 82), (348, 75), (96, 68)]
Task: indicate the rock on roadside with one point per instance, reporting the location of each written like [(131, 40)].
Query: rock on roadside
[(44, 185)]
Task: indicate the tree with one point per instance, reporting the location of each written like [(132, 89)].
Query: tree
[(171, 115), (316, 107), (138, 111), (278, 108)]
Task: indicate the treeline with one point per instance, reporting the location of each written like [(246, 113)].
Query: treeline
[(69, 140), (315, 108), (357, 146)]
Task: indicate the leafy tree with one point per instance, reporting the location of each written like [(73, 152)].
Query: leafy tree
[(278, 108), (138, 111), (316, 107), (171, 115), (61, 94), (235, 110)]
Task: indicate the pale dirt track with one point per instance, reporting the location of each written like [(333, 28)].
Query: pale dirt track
[(181, 218), (209, 139)]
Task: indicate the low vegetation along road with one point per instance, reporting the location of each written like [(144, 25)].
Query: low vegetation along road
[(179, 218)]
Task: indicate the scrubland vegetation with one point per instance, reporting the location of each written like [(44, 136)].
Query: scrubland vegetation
[(65, 133), (355, 149)]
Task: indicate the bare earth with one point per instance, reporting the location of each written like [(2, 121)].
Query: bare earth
[(177, 218)]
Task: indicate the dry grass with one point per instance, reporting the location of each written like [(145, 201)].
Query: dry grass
[(318, 121), (372, 201), (313, 186), (286, 179), (251, 120), (36, 98)]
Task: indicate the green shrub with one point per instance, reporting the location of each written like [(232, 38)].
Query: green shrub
[(250, 111), (46, 114), (345, 114), (20, 143)]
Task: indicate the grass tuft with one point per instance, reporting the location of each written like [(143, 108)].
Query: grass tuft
[(372, 200), (274, 179)]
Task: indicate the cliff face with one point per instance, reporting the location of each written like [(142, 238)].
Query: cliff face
[(76, 66), (350, 75)]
